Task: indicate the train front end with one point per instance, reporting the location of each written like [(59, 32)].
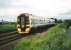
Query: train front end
[(24, 23)]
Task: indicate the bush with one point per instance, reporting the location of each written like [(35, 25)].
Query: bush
[(68, 22), (58, 39)]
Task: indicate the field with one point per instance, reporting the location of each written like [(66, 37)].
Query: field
[(7, 27), (55, 38)]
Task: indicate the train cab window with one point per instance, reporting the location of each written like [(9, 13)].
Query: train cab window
[(18, 20), (22, 20), (27, 20)]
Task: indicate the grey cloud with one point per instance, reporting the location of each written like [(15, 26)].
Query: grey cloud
[(9, 4), (5, 3), (66, 13)]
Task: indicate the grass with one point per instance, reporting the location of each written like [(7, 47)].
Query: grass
[(54, 39), (7, 27)]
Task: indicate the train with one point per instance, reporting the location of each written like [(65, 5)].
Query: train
[(26, 21)]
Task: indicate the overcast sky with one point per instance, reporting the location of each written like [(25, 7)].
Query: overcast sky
[(37, 7)]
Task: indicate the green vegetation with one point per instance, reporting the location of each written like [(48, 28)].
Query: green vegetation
[(54, 39), (59, 21), (7, 27), (58, 38), (68, 22)]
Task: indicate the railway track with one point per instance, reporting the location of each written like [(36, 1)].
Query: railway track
[(6, 38)]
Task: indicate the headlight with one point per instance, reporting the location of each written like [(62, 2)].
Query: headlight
[(18, 25), (27, 29), (19, 29)]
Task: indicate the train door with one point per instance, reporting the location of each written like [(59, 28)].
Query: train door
[(24, 23)]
